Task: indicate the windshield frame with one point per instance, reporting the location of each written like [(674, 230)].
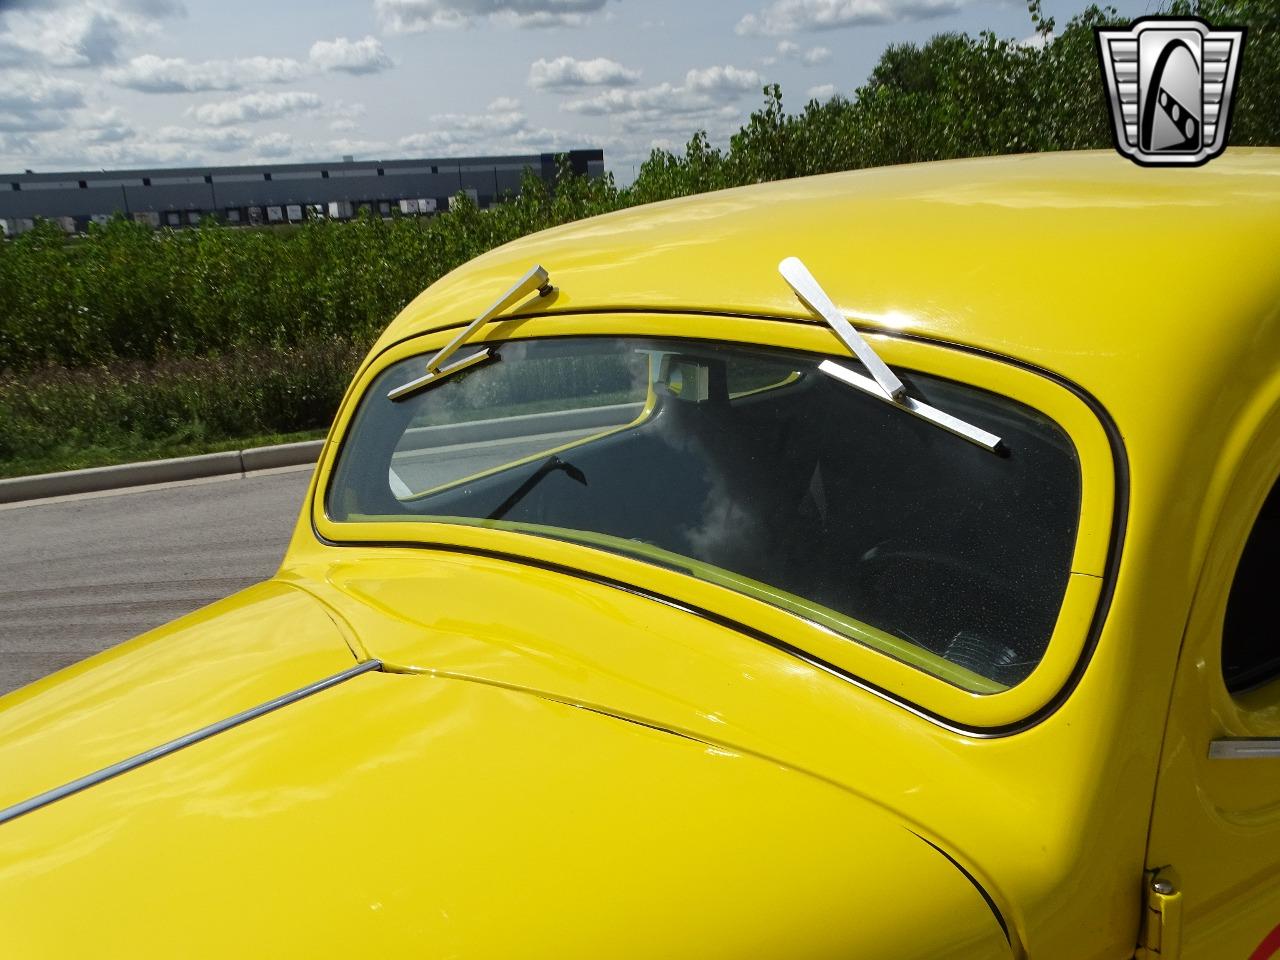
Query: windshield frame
[(910, 685)]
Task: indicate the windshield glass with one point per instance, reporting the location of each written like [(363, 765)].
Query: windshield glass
[(749, 468)]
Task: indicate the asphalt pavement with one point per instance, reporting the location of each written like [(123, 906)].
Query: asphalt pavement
[(80, 574)]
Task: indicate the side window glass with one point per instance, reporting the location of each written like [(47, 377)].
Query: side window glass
[(1251, 630)]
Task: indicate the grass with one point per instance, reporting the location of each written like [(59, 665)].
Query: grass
[(71, 457), (68, 418), (59, 418)]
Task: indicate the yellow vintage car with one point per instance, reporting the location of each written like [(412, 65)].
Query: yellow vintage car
[(877, 565)]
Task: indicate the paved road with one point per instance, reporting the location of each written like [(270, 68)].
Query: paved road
[(84, 573), (80, 575)]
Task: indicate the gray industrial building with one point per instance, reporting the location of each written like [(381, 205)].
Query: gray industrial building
[(273, 193)]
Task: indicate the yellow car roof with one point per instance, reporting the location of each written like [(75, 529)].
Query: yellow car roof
[(1080, 263)]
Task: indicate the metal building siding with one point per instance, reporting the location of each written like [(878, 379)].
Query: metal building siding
[(214, 190)]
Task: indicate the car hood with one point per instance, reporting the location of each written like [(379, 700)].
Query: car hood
[(397, 813), (221, 660)]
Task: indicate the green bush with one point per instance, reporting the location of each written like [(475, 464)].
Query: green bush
[(130, 302), (50, 417), (125, 292)]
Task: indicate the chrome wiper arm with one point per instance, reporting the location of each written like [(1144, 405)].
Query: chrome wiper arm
[(811, 293), (438, 367), (536, 279), (883, 384)]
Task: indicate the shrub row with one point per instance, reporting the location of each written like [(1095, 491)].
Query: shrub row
[(230, 332), (46, 416), (126, 292)]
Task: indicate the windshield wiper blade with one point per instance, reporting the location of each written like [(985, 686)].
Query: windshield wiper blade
[(883, 384), (815, 298), (438, 367), (939, 418)]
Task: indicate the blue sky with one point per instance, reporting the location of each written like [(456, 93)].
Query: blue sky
[(111, 83)]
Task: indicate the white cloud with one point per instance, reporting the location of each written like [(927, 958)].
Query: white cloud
[(274, 146), (107, 126), (502, 128), (790, 50), (349, 108), (413, 16), (452, 129), (350, 56), (146, 8), (355, 148), (14, 145), (255, 106), (664, 116), (219, 139), (703, 97), (107, 141), (90, 33), (723, 80), (824, 91), (789, 16), (151, 74), (13, 55), (566, 73), (21, 90), (18, 122), (31, 102), (664, 105), (614, 102), (347, 114), (156, 8)]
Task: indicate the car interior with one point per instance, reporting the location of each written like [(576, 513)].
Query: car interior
[(812, 488)]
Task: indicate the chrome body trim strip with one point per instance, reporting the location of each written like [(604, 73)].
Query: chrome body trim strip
[(164, 749), (1243, 748)]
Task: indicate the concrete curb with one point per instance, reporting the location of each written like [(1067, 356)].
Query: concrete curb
[(159, 471), (96, 479)]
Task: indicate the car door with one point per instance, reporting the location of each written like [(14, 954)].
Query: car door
[(1213, 884)]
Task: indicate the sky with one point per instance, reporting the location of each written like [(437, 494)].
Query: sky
[(104, 84)]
